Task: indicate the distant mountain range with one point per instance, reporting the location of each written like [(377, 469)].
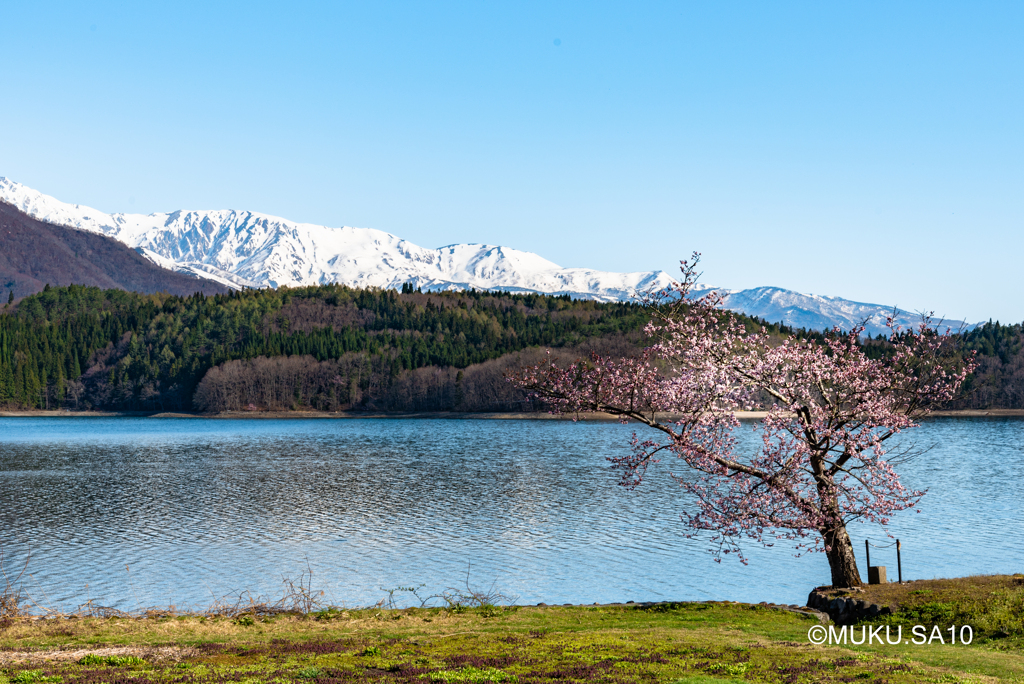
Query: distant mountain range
[(248, 249)]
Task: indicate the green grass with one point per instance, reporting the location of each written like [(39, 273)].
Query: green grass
[(688, 643), (993, 605), (33, 677)]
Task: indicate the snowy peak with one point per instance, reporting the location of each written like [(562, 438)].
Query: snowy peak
[(46, 208), (248, 249), (816, 312)]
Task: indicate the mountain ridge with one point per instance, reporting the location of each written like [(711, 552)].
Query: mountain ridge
[(259, 250), (35, 253), (250, 249)]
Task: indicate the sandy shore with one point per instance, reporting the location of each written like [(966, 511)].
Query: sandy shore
[(979, 413)]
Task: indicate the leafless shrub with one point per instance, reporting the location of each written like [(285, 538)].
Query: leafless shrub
[(12, 596), (390, 603), (469, 597), (299, 598), (455, 599)]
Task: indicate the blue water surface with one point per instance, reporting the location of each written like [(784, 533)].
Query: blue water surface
[(143, 512)]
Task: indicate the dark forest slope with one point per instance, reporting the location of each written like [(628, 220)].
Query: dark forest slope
[(325, 347), (34, 254), (999, 380), (335, 348)]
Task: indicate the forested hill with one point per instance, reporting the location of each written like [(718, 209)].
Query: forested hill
[(999, 380), (336, 348), (327, 347)]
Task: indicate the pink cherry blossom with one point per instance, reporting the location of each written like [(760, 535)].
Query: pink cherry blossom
[(822, 461)]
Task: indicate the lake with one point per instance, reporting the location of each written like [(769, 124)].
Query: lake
[(142, 512)]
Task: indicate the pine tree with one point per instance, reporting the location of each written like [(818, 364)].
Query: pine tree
[(6, 382)]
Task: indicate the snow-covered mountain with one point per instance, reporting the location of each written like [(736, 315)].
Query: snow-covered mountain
[(816, 312), (247, 249)]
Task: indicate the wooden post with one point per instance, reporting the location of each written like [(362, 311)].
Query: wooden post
[(899, 562), (867, 552)]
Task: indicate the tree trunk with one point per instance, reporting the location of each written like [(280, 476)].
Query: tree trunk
[(841, 560)]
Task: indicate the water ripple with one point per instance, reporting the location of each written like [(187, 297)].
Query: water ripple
[(137, 512)]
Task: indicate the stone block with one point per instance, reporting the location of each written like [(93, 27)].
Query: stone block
[(876, 574)]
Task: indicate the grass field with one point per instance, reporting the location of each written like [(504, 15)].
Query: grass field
[(685, 643)]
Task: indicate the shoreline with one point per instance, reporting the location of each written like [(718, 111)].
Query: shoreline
[(889, 594), (426, 415), (656, 641), (322, 415)]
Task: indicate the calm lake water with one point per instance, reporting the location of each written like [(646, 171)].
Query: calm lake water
[(151, 512)]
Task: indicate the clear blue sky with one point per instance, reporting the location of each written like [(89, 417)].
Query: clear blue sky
[(873, 151)]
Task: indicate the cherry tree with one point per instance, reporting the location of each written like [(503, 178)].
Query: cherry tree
[(821, 461)]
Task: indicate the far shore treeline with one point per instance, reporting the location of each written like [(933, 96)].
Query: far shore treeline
[(332, 348)]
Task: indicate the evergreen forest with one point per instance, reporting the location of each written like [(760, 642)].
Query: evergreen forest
[(333, 348), (81, 347)]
